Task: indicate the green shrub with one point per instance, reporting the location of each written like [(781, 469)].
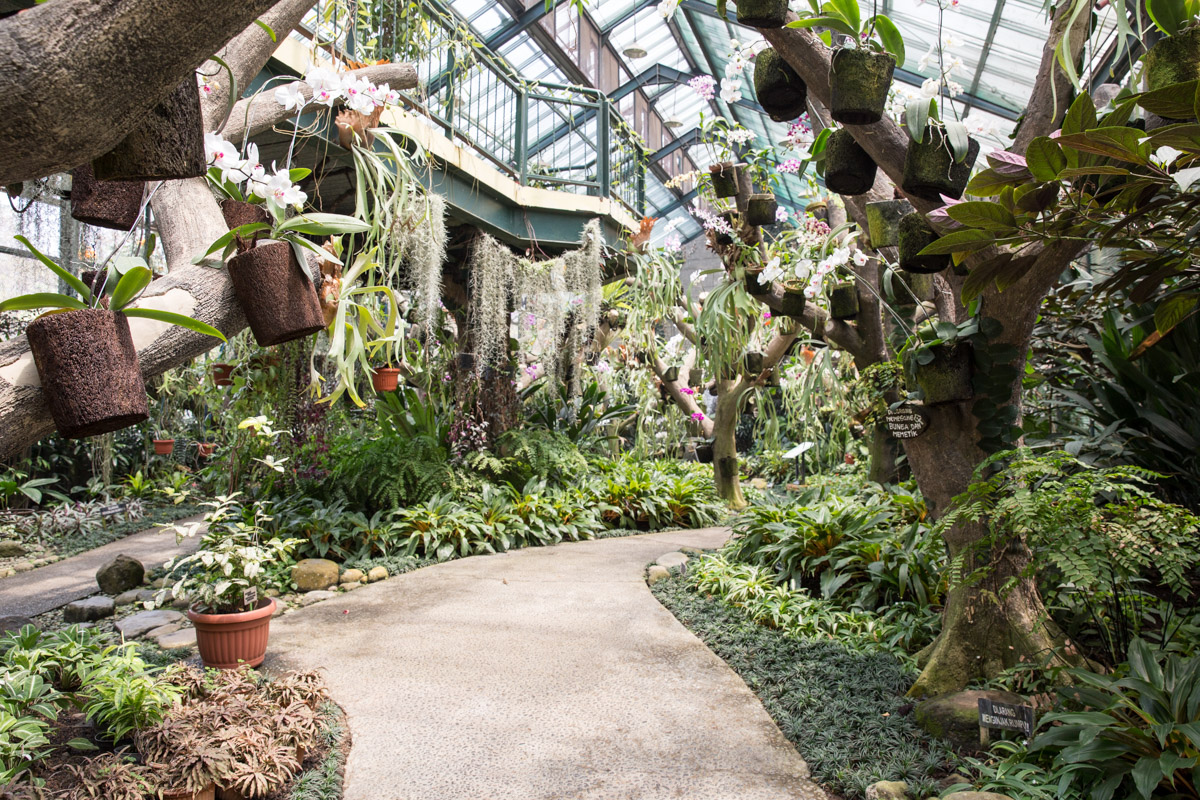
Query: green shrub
[(649, 495), (388, 471)]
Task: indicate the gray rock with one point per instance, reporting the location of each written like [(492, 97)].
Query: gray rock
[(955, 716), (377, 574), (121, 574), (163, 630), (185, 637), (353, 576), (89, 609), (146, 621), (315, 574), (13, 622), (9, 549), (280, 608), (127, 598), (657, 573), (887, 790), (351, 586), (673, 559), (316, 596)]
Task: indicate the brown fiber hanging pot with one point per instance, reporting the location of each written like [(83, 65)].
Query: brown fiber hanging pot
[(168, 144), (89, 371), (275, 293), (930, 170), (849, 170), (915, 234), (860, 80), (778, 87), (105, 204), (762, 13)]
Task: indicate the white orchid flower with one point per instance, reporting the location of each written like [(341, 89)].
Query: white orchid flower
[(290, 96)]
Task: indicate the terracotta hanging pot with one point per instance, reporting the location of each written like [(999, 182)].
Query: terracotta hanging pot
[(205, 449), (883, 221), (385, 379), (168, 144), (164, 447), (778, 87), (860, 80), (930, 170), (848, 168), (89, 371), (793, 302), (277, 296), (222, 374), (760, 209), (915, 235), (105, 204), (843, 301), (724, 179), (947, 378), (229, 641), (762, 13)]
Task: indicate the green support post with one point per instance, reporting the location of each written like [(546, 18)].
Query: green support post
[(603, 131), (521, 146)]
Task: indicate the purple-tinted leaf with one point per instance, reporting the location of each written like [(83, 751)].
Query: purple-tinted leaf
[(1006, 163)]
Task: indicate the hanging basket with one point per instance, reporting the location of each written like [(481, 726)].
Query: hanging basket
[(1173, 60), (385, 379), (276, 295), (671, 375), (89, 371), (860, 80), (779, 90), (843, 301), (848, 168), (167, 145), (930, 170), (947, 378), (754, 362), (205, 449), (105, 204), (754, 285), (704, 453), (238, 213), (727, 238), (883, 221), (760, 209), (465, 362), (793, 302), (164, 447), (724, 179), (915, 235), (222, 374), (762, 13), (910, 288)]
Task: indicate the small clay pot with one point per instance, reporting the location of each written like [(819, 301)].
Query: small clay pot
[(848, 168), (793, 303), (164, 447), (704, 453), (724, 179), (860, 80), (883, 221), (947, 379), (1174, 59), (276, 295), (778, 87), (762, 13), (222, 374), (238, 213), (760, 209), (385, 379), (105, 204), (89, 371), (843, 301), (914, 236), (168, 144), (930, 170), (205, 449), (229, 641), (671, 375)]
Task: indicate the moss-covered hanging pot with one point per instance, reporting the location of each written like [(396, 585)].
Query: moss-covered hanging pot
[(753, 362), (778, 87), (843, 301), (168, 144), (1173, 60), (915, 235), (930, 170), (947, 377), (275, 293), (704, 453), (760, 209), (105, 204), (89, 371), (671, 375), (793, 301), (910, 288), (724, 179), (754, 285), (762, 13), (730, 220), (860, 80), (818, 210), (883, 221), (848, 168)]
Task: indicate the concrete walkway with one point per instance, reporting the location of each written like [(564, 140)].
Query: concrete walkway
[(37, 591), (542, 673)]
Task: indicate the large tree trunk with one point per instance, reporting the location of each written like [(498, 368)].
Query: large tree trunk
[(725, 458)]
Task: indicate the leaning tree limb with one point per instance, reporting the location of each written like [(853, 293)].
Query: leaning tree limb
[(76, 76)]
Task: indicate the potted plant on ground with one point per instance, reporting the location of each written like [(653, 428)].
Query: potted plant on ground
[(779, 89), (860, 73), (223, 578), (105, 204), (940, 153), (84, 352)]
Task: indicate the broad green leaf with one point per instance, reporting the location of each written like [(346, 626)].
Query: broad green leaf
[(1173, 311), (960, 143), (989, 183), (847, 10), (836, 23), (1045, 159), (172, 318), (1168, 15), (132, 283), (82, 744), (1081, 116), (916, 117), (27, 302), (1099, 169), (889, 34), (983, 214), (71, 280), (967, 241), (1176, 101)]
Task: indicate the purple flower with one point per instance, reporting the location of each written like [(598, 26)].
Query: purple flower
[(791, 166), (698, 417), (686, 390), (704, 85), (781, 214)]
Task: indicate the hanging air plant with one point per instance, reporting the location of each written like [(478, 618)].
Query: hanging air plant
[(848, 169), (915, 235), (419, 239), (883, 221), (778, 87)]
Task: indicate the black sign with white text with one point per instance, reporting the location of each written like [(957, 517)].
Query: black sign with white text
[(1006, 717)]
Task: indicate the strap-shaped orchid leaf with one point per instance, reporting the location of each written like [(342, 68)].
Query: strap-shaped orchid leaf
[(27, 302), (71, 280), (171, 318)]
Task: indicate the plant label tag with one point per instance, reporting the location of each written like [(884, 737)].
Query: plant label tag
[(1005, 717), (250, 597), (113, 510), (906, 422)]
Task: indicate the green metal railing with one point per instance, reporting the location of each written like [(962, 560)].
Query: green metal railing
[(567, 138)]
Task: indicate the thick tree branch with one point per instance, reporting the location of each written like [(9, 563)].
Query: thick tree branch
[(1052, 88)]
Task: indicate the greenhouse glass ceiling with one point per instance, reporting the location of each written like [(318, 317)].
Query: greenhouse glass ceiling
[(994, 47)]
